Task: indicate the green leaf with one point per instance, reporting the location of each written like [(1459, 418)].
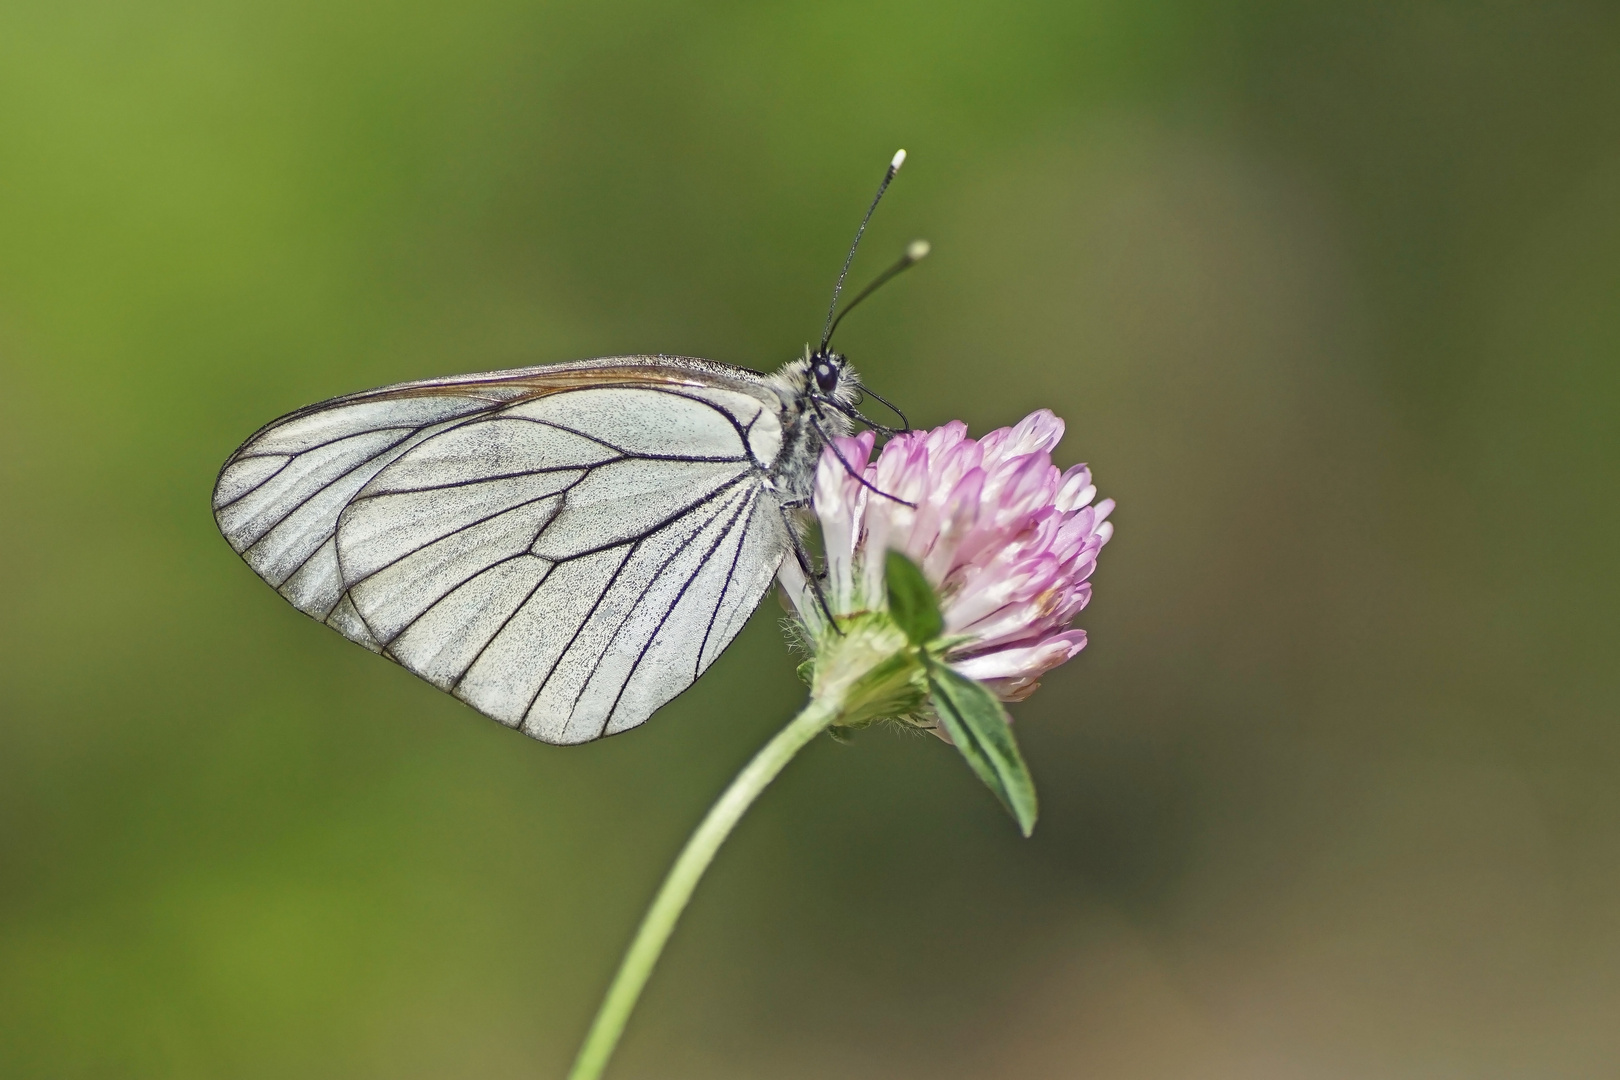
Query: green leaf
[(912, 603), (977, 723)]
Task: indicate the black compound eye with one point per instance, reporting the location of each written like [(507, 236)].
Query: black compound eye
[(826, 376)]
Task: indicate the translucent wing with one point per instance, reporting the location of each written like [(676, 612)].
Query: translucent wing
[(565, 549)]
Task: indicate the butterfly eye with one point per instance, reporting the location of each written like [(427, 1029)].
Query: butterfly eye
[(826, 376)]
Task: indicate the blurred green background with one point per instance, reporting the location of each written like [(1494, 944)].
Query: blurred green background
[(1328, 292)]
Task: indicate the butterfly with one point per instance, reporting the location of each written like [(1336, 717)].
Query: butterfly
[(564, 548)]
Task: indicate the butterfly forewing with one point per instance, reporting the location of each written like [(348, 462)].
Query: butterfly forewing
[(565, 549)]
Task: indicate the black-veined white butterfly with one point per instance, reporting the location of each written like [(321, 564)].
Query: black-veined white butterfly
[(564, 548)]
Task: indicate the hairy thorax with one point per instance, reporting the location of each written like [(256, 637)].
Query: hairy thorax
[(810, 388)]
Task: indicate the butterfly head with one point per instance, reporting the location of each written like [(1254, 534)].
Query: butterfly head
[(831, 378), (827, 385), (822, 382)]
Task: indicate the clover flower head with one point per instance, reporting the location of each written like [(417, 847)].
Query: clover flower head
[(1007, 540)]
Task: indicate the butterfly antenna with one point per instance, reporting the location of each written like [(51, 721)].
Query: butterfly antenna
[(916, 252), (905, 425), (894, 167)]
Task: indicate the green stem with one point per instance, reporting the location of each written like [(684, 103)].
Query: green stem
[(683, 877)]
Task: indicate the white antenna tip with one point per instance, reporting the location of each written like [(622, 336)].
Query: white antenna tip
[(918, 249), (899, 160)]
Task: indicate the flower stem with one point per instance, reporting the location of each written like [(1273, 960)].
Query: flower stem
[(659, 922)]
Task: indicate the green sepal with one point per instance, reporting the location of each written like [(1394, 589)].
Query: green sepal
[(893, 686), (977, 724), (912, 603), (807, 672), (870, 670)]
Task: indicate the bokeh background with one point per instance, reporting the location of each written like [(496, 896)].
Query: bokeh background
[(1328, 292)]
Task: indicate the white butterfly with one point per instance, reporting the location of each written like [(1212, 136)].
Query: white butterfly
[(564, 548)]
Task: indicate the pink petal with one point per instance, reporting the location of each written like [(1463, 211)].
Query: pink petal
[(1008, 538), (1076, 490), (1030, 661)]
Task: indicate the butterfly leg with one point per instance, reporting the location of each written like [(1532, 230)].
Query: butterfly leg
[(802, 553), (826, 440)]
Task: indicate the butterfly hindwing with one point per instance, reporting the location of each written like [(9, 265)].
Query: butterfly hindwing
[(278, 498), (564, 561)]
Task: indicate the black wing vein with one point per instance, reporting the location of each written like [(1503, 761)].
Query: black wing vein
[(469, 525), (630, 608), (719, 601), (457, 587), (305, 501), (746, 507), (456, 682)]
